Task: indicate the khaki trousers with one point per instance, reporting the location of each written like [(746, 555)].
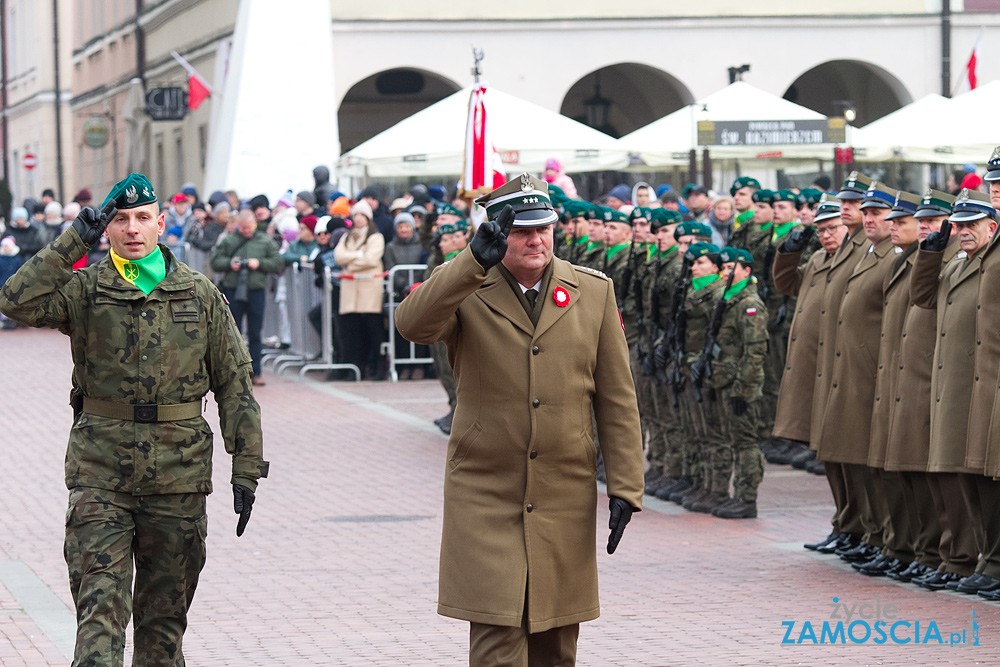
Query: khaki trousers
[(506, 646)]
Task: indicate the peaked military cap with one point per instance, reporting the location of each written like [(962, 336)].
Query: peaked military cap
[(905, 204), (641, 212), (692, 229), (785, 195), (612, 215), (810, 196), (934, 202), (133, 191), (701, 250), (972, 205), (993, 166), (828, 208), (731, 254), (878, 196), (527, 195), (855, 186), (744, 182), (764, 196)]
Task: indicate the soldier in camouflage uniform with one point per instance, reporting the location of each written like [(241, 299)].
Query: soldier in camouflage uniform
[(592, 254), (738, 379), (619, 251), (149, 338)]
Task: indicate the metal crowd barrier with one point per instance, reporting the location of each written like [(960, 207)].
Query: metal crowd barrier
[(414, 273), (325, 361)]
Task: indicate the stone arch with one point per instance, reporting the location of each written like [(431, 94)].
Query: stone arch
[(872, 90), (638, 94), (381, 100)]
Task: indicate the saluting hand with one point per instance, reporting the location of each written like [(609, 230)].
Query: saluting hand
[(798, 238), (489, 245), (937, 241), (89, 224), (621, 514)]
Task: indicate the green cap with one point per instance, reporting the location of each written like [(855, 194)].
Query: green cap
[(810, 196), (744, 182), (611, 215), (557, 195), (829, 207), (785, 195), (700, 250), (447, 228), (934, 202), (765, 196), (577, 209), (663, 217), (731, 254), (448, 209), (133, 191), (462, 225), (855, 186), (692, 229), (641, 212), (527, 195)]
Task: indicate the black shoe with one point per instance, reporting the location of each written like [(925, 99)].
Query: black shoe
[(990, 595), (938, 581), (984, 583), (875, 562), (779, 452), (651, 474), (710, 501), (767, 447), (738, 509), (444, 423), (883, 567), (910, 572), (658, 482), (968, 582), (844, 542), (682, 484), (690, 497), (830, 539), (861, 553), (816, 467), (801, 459)]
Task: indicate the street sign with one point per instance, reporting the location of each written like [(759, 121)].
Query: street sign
[(770, 132), (166, 103), (30, 161)]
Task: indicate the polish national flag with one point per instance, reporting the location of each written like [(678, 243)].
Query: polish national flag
[(198, 88), (483, 170)]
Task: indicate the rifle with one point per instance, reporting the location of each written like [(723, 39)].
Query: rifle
[(702, 368), (649, 363), (765, 285), (627, 274), (677, 332)]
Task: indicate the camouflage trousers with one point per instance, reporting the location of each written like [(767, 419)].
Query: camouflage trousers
[(736, 449), (164, 536), (697, 423), (439, 353)]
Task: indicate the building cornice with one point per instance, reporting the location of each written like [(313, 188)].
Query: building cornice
[(157, 15)]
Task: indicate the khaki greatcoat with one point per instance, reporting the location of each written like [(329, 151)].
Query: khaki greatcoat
[(909, 433), (520, 492), (807, 281), (841, 267), (847, 418), (982, 428), (954, 292)]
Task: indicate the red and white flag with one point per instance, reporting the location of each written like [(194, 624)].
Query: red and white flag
[(969, 76), (198, 88), (483, 169)]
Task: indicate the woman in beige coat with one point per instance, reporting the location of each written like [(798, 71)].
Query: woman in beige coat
[(359, 256)]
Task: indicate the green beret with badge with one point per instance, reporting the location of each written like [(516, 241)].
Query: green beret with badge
[(692, 229), (663, 217), (810, 196), (640, 212), (577, 209), (731, 254), (448, 209), (133, 191), (785, 195), (744, 182), (702, 250), (763, 196), (612, 215), (557, 196), (527, 195)]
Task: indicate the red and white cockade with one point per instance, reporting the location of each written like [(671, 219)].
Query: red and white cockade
[(561, 296)]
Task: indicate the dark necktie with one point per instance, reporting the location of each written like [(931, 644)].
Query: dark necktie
[(531, 295)]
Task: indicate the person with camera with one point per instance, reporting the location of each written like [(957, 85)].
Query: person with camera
[(247, 257)]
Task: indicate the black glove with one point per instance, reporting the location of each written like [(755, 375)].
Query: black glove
[(738, 405), (648, 365), (90, 224), (660, 355), (243, 504), (489, 245), (798, 238), (621, 514), (697, 370), (936, 241)]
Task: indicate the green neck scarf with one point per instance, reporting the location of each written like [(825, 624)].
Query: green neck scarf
[(451, 255), (782, 229), (583, 239), (615, 249), (145, 273), (743, 218), (593, 244), (704, 281), (736, 288), (669, 250), (766, 226)]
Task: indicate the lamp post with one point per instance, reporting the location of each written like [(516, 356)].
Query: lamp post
[(597, 110), (841, 156)]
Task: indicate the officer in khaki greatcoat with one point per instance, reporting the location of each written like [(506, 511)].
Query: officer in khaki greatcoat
[(536, 343), (150, 338)]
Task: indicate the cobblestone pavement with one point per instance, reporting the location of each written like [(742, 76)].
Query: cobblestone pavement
[(339, 564)]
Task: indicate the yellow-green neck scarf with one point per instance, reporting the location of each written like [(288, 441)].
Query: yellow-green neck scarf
[(145, 273), (704, 281)]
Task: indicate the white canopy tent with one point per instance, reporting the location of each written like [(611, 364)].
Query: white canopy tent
[(431, 142), (969, 130), (913, 133), (669, 140)]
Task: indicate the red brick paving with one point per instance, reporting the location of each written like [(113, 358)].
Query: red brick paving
[(318, 580)]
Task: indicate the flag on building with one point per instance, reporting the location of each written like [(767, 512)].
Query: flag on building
[(483, 169), (970, 67), (198, 88)]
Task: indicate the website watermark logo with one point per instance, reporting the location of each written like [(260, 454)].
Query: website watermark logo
[(875, 623)]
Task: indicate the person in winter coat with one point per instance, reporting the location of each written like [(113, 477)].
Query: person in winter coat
[(554, 175), (29, 238)]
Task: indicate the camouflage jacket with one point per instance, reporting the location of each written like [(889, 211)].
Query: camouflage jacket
[(615, 268), (169, 347), (742, 342), (699, 306)]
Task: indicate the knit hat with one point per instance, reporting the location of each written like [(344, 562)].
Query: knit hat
[(287, 200), (363, 208), (178, 198), (403, 217), (971, 181), (309, 221), (19, 213), (260, 201), (53, 208), (321, 224), (307, 197), (620, 192), (340, 206)]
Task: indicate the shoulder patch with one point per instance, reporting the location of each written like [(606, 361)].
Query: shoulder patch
[(751, 310), (593, 272)]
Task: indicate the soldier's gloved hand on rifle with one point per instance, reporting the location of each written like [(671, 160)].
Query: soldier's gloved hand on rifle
[(798, 238), (738, 405), (697, 371), (648, 365), (489, 245), (90, 224), (660, 356), (936, 241), (621, 514), (243, 504)]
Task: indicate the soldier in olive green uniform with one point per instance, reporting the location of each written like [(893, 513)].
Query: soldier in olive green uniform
[(738, 379), (592, 253), (150, 338), (579, 234), (619, 251)]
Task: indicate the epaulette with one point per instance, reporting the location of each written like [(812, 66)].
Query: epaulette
[(591, 271)]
